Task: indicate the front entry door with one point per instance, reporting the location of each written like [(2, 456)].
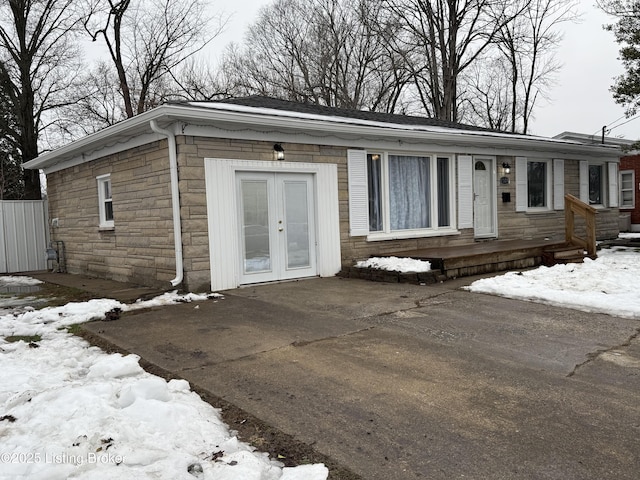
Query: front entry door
[(484, 198), (277, 226)]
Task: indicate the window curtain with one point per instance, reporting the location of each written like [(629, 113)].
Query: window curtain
[(409, 192)]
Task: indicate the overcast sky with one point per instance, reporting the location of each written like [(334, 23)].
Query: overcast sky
[(580, 101)]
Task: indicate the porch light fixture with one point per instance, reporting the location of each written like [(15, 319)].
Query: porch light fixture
[(278, 152), (506, 168)]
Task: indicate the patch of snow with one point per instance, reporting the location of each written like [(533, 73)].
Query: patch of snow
[(69, 410), (629, 235), (395, 264), (608, 284), (17, 280)]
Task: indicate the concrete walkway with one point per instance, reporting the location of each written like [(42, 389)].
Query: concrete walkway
[(412, 382)]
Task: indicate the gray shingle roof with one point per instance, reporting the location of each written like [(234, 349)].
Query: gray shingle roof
[(258, 101)]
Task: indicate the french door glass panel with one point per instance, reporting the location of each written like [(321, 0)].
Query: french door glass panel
[(297, 224), (255, 226)]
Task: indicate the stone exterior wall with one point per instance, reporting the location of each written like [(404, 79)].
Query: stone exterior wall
[(549, 224), (143, 231), (191, 154), (140, 247)]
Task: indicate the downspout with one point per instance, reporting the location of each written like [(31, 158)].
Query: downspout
[(175, 199)]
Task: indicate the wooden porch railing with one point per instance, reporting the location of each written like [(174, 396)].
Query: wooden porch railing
[(574, 206)]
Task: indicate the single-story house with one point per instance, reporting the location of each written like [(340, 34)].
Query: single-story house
[(219, 194)]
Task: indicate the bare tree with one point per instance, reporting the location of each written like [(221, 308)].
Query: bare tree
[(451, 36), (529, 44), (38, 71), (148, 40), (489, 98), (328, 52)]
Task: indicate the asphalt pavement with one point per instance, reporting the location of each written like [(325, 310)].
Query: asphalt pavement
[(403, 382)]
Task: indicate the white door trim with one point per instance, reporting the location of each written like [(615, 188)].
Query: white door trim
[(272, 262), (492, 217), (222, 221)]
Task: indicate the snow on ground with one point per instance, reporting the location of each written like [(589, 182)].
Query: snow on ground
[(610, 284), (69, 410), (15, 280), (395, 264)]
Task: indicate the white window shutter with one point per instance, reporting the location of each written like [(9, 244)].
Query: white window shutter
[(521, 184), (558, 184), (465, 191), (613, 184), (358, 193), (584, 181)]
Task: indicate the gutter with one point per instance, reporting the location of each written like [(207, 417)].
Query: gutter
[(175, 200)]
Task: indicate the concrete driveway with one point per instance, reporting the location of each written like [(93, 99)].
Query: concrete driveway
[(413, 382)]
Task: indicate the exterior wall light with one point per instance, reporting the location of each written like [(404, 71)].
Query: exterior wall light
[(278, 152), (506, 168)]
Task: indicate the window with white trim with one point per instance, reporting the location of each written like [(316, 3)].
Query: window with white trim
[(538, 184), (596, 184), (407, 194), (535, 184), (627, 189), (599, 183), (105, 202)]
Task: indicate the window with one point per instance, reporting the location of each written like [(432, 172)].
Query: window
[(105, 202), (537, 184), (408, 192), (627, 190), (595, 185)]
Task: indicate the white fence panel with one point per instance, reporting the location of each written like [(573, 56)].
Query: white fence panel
[(23, 232)]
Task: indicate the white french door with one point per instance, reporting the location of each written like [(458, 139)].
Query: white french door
[(277, 226)]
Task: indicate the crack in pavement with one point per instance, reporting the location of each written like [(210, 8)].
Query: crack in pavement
[(592, 356)]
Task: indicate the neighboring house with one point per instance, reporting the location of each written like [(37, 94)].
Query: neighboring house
[(216, 195), (629, 176)]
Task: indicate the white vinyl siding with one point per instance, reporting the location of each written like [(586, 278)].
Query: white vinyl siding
[(465, 191), (584, 181), (358, 193), (558, 184), (521, 184), (613, 184)]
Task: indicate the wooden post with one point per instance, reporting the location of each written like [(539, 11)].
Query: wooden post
[(574, 206)]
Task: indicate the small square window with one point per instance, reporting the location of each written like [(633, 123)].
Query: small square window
[(105, 201)]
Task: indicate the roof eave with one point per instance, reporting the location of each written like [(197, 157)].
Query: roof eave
[(190, 114)]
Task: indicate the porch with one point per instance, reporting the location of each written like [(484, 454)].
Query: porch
[(485, 256)]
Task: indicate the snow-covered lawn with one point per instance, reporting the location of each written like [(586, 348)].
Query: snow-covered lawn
[(69, 410), (610, 284)]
